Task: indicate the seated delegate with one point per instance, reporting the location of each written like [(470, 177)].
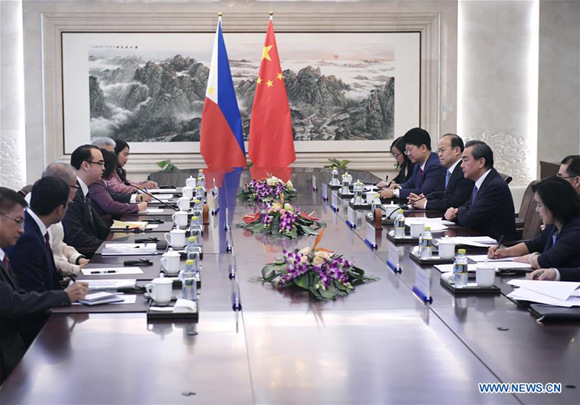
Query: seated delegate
[(118, 181), (103, 202), (558, 245), (404, 164)]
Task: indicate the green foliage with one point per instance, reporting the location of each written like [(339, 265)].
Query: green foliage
[(339, 164), (167, 166)]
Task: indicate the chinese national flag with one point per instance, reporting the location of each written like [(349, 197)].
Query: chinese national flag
[(271, 140)]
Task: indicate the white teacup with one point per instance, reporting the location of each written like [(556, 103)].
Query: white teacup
[(484, 274), (417, 229), (160, 290), (446, 249), (191, 182), (176, 238), (180, 218), (184, 203), (170, 262), (187, 192), (370, 196)]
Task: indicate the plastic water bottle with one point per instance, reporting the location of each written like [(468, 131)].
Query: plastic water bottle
[(189, 281), (426, 243), (460, 269), (201, 179), (192, 247), (195, 227), (399, 224)]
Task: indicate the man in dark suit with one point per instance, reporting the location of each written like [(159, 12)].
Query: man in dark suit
[(32, 257), (490, 210), (570, 171), (427, 172), (18, 307), (456, 189), (83, 227)]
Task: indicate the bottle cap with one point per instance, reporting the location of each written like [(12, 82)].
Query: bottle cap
[(191, 239), (461, 251), (428, 228), (189, 262)]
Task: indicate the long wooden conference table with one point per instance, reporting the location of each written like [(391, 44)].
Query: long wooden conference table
[(380, 344)]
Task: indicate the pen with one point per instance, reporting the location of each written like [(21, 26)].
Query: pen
[(499, 242), (537, 275), (103, 272)]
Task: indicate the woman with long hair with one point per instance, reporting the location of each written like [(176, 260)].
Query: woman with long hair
[(404, 164), (118, 180), (558, 204)]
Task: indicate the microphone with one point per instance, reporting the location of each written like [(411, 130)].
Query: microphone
[(433, 194), (164, 204)]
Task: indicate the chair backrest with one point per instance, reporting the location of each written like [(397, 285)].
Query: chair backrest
[(506, 177), (532, 220)]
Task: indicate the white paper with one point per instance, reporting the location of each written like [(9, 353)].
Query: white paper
[(324, 191), (111, 284), (476, 241), (436, 224), (122, 225), (109, 271), (129, 249), (483, 258), (314, 187), (471, 267), (164, 197), (523, 294), (161, 190), (151, 211), (370, 188), (152, 226), (556, 289), (127, 299)]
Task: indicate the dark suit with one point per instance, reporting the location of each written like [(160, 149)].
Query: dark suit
[(425, 182), (492, 212), (32, 262), (456, 193), (17, 308), (572, 274), (565, 252), (83, 227)]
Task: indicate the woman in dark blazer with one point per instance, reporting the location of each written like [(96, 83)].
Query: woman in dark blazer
[(101, 197), (404, 164), (558, 204)]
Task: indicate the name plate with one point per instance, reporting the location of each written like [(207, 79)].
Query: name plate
[(324, 192), (371, 239), (334, 202), (422, 287), (351, 217), (213, 201), (314, 186)]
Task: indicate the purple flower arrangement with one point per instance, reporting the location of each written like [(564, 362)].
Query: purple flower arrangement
[(268, 190), (282, 220), (324, 274)]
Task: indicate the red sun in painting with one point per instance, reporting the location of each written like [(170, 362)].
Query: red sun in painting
[(335, 56)]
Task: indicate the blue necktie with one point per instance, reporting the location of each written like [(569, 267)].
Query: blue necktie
[(473, 195), (447, 177)]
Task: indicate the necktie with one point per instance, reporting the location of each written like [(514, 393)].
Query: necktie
[(6, 263), (447, 177), (90, 210), (473, 195), (420, 177), (47, 239)]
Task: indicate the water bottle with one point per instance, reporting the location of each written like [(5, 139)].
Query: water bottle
[(197, 205), (201, 179), (195, 226), (192, 247), (376, 212), (426, 243), (460, 269), (189, 281), (399, 224)]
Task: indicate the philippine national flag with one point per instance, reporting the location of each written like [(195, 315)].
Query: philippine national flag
[(222, 141)]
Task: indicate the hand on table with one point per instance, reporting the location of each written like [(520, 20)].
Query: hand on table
[(451, 214)]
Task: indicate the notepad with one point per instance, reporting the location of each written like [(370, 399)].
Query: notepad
[(101, 298), (129, 249), (111, 271), (110, 284), (122, 225)]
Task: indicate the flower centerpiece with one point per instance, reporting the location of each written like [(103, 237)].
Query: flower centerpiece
[(282, 219), (325, 274), (268, 190)]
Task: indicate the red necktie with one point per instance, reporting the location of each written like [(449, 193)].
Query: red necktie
[(47, 239)]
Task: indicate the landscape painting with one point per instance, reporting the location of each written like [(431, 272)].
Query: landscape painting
[(150, 88)]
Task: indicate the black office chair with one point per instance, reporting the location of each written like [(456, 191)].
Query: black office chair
[(508, 179), (528, 221)]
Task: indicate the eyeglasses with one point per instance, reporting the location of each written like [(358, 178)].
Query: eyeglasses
[(396, 155), (408, 151), (100, 162), (565, 177), (74, 186), (19, 221)]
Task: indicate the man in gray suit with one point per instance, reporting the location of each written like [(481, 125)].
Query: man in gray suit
[(17, 307)]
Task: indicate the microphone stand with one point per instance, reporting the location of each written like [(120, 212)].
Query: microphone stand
[(166, 205)]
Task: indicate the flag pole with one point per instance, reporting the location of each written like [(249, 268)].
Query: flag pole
[(271, 14), (220, 14)]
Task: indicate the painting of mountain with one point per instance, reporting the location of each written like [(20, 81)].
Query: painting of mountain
[(337, 92)]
